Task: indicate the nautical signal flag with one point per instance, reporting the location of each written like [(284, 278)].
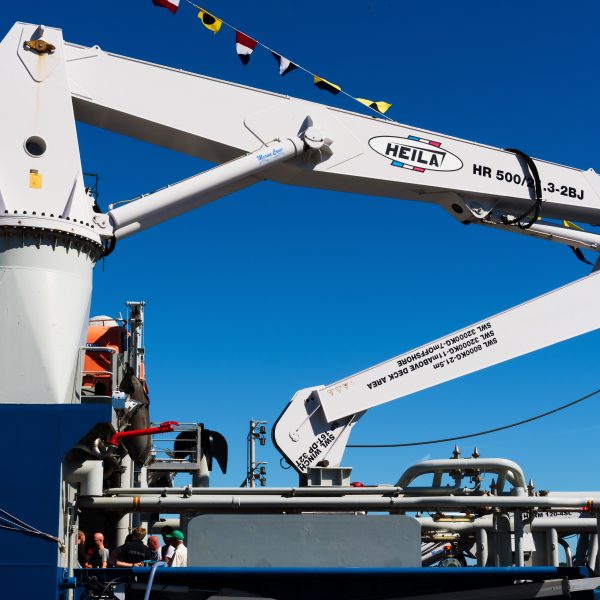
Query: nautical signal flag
[(209, 21), (285, 65), (244, 46), (323, 84), (380, 106), (171, 5)]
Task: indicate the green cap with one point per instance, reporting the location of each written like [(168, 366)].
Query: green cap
[(175, 535)]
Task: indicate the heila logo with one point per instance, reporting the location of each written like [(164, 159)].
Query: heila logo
[(415, 153)]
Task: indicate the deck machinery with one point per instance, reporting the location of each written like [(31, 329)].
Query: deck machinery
[(96, 465)]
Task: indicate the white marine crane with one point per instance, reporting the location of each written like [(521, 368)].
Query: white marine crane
[(52, 233)]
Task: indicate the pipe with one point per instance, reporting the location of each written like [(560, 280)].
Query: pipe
[(505, 468), (518, 535), (201, 477), (336, 491), (552, 547), (592, 552), (121, 530), (158, 526), (88, 474), (503, 547), (165, 427), (237, 502), (581, 550), (155, 566), (124, 524), (303, 491), (485, 522), (95, 449), (563, 235), (567, 549), (449, 490), (596, 563), (551, 232), (482, 547)]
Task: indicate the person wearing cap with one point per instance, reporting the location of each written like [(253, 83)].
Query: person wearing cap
[(167, 551), (175, 538)]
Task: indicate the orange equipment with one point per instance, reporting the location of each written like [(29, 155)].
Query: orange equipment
[(105, 338)]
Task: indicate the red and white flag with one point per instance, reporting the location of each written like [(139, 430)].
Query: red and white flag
[(244, 46), (171, 5)]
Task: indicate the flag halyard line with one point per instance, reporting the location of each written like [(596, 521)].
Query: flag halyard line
[(299, 66)]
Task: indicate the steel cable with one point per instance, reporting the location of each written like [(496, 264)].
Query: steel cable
[(479, 433)]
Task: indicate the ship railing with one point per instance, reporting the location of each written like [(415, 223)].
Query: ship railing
[(168, 457)]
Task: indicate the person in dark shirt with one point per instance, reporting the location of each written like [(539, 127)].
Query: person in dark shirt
[(82, 556), (116, 552), (134, 553)]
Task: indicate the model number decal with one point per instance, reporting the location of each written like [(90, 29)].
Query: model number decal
[(527, 181), (306, 459)]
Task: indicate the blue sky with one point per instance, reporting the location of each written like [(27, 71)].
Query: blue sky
[(277, 288)]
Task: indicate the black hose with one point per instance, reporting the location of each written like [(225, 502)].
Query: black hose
[(536, 207)]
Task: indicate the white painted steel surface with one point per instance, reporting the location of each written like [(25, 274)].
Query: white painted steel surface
[(45, 191), (45, 276), (45, 292), (559, 315), (217, 121), (306, 437), (316, 423)]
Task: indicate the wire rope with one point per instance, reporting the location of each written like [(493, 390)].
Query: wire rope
[(480, 433)]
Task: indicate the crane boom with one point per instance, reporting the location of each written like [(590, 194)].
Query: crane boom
[(219, 121), (316, 423)]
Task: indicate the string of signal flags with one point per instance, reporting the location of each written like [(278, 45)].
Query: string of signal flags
[(245, 45)]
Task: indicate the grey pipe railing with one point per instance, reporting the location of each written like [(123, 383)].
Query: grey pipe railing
[(266, 491), (503, 468), (240, 502), (486, 522)]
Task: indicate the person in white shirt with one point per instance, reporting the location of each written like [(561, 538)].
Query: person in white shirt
[(175, 539), (167, 551)]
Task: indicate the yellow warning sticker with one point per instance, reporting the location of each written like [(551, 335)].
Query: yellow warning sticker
[(35, 180)]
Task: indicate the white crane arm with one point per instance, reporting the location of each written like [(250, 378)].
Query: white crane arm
[(233, 124), (316, 424), (220, 121)]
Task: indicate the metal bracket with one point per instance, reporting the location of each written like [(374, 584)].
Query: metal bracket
[(40, 46)]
